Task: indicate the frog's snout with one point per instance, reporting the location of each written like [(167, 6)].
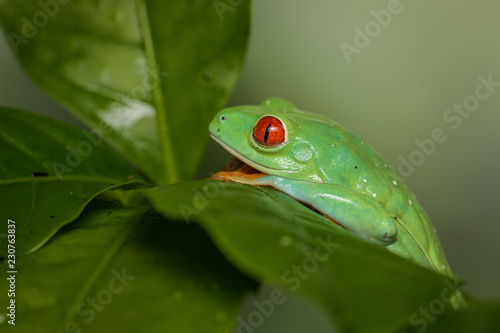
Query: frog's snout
[(217, 123)]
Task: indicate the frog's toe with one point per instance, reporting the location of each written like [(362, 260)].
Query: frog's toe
[(385, 234), (389, 235)]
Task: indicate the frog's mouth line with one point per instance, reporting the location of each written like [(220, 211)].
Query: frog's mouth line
[(255, 166)]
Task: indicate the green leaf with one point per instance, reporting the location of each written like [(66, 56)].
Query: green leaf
[(154, 71), (484, 318), (272, 237), (49, 171), (125, 270)]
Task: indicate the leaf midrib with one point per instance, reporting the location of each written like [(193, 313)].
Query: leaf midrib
[(166, 149)]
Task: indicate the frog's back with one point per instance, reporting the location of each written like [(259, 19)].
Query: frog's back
[(345, 159)]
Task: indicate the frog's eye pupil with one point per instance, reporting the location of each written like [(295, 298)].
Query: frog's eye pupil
[(223, 118), (266, 135), (269, 131)]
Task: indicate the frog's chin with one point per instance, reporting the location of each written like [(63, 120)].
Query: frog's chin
[(255, 166)]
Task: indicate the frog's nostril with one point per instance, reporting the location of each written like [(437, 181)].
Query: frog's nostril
[(223, 118), (218, 130)]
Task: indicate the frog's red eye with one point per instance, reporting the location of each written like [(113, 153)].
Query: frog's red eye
[(269, 131)]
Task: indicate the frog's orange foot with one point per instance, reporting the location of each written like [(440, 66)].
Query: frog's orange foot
[(238, 176), (237, 171)]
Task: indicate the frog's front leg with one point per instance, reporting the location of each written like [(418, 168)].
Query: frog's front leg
[(354, 211)]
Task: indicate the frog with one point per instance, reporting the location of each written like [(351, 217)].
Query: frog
[(328, 168)]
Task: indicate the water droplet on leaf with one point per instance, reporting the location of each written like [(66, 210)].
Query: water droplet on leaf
[(285, 240)]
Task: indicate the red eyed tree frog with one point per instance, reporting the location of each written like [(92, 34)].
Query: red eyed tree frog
[(321, 164)]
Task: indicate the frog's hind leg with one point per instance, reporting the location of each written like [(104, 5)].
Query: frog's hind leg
[(356, 212)]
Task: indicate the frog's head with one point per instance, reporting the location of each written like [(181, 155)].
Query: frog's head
[(267, 138)]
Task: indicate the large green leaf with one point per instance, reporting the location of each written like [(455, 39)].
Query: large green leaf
[(125, 270), (49, 171), (272, 237), (154, 71)]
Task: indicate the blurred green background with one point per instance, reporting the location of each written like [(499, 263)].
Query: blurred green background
[(391, 92)]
